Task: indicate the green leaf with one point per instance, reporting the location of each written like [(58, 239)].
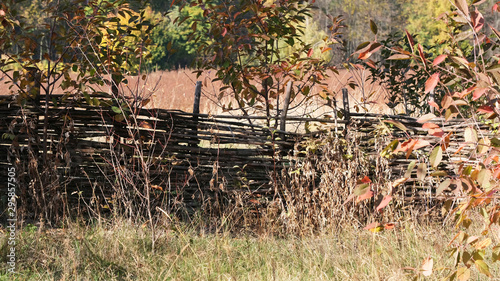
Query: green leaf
[(483, 267), (436, 156), (116, 110), (373, 27), (463, 273), (361, 189), (483, 178)]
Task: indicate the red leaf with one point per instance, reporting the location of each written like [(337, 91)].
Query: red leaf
[(372, 226), (431, 83), (389, 225), (434, 104), (485, 109), (224, 31), (384, 202), (436, 132), (369, 50), (430, 126), (411, 144), (421, 53), (479, 92), (477, 20), (371, 64), (439, 59), (310, 52), (366, 179), (410, 39), (366, 195)]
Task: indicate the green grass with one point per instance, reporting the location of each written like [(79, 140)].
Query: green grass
[(121, 251)]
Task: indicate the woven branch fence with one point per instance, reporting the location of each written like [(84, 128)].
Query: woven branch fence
[(189, 156)]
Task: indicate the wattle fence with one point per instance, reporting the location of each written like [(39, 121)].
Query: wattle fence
[(185, 155)]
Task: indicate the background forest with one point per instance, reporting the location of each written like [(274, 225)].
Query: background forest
[(173, 45)]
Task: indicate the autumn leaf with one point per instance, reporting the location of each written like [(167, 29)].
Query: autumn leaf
[(443, 186), (399, 57), (410, 40), (427, 266), (310, 53), (477, 20), (369, 50), (439, 59), (374, 227), (483, 267), (421, 54), (411, 144), (470, 136), (479, 92), (384, 202), (426, 117), (463, 7), (367, 195), (436, 156), (429, 126), (432, 82)]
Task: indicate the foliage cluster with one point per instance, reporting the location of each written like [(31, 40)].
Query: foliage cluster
[(467, 74)]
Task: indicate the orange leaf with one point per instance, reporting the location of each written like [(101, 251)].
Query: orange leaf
[(411, 144), (384, 202), (431, 83), (439, 59), (369, 50), (310, 52), (371, 226), (434, 104), (389, 225), (430, 126), (326, 49), (366, 179), (479, 92)]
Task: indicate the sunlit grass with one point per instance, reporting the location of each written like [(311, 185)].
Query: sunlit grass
[(121, 251)]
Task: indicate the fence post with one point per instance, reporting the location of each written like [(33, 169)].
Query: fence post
[(347, 113), (345, 99), (288, 92), (196, 109)]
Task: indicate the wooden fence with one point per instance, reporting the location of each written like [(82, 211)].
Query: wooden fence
[(186, 154)]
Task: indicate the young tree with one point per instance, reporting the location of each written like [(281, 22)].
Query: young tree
[(245, 50)]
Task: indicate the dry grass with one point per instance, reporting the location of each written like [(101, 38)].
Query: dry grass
[(121, 251)]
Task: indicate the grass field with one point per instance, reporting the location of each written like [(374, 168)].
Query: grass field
[(121, 251)]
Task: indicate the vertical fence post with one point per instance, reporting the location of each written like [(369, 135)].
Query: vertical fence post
[(345, 99), (196, 109), (347, 113), (288, 92), (335, 113)]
